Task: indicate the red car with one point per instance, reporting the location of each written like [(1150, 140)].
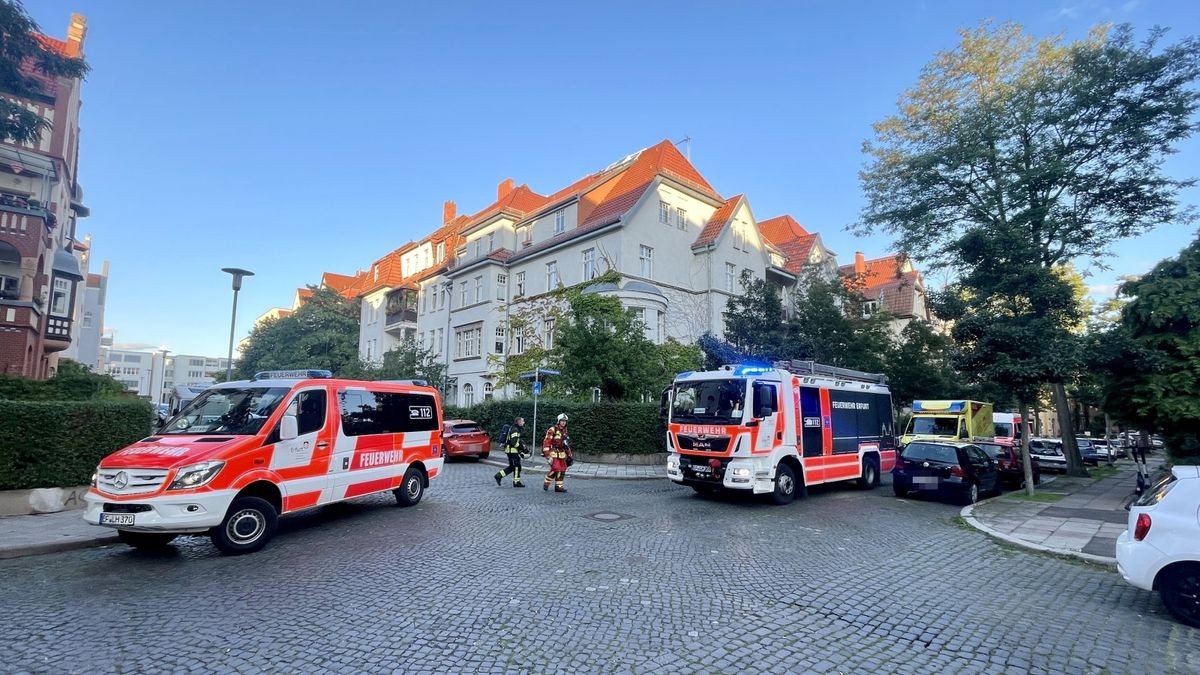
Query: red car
[(464, 438), (1008, 460)]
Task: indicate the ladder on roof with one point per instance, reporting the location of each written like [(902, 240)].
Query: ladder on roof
[(797, 367)]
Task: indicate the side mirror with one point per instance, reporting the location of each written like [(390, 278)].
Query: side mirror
[(289, 428)]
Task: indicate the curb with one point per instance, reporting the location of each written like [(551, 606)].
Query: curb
[(968, 514), (545, 469), (11, 552)]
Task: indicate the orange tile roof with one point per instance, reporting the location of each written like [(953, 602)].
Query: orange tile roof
[(879, 271), (712, 229), (789, 236), (887, 281), (616, 195)]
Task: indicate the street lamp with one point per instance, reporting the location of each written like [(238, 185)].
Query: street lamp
[(238, 275)]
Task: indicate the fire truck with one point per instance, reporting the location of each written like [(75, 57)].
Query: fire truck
[(776, 429)]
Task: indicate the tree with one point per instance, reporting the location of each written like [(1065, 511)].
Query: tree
[(323, 333), (828, 325), (1055, 148), (920, 366), (24, 61), (754, 320), (1154, 355), (603, 345)]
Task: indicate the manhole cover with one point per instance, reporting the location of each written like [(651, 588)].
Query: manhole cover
[(608, 516)]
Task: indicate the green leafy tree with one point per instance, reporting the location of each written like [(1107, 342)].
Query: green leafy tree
[(754, 322), (1053, 147), (671, 358), (920, 366), (603, 345), (72, 381), (1154, 354), (22, 56), (323, 333), (828, 325)]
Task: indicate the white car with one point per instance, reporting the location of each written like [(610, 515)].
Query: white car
[(1161, 548), (1048, 452)]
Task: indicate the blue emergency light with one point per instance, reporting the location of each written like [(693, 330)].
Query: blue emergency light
[(751, 369), (939, 406)]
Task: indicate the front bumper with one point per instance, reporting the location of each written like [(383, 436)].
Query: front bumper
[(184, 513), (734, 474)]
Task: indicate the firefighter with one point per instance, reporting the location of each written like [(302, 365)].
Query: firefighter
[(557, 448), (512, 450)]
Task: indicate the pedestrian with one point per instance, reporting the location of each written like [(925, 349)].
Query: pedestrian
[(512, 450), (556, 447)]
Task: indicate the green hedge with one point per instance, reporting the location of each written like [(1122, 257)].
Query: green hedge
[(59, 443), (633, 428)]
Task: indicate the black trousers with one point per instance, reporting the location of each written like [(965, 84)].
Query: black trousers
[(514, 465)]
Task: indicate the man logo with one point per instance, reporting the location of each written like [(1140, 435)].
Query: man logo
[(121, 480)]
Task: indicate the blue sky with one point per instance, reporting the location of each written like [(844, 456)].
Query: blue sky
[(292, 138)]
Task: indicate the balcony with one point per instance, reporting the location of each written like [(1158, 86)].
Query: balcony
[(20, 204), (400, 310)]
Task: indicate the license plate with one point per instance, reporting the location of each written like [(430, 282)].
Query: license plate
[(925, 480), (701, 469), (116, 518)]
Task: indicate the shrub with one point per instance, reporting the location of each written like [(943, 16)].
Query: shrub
[(595, 428), (59, 443)]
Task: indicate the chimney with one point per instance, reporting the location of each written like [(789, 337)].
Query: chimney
[(76, 32), (860, 264), (449, 210), (504, 188)]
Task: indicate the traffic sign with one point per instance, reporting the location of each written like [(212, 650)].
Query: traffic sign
[(537, 388)]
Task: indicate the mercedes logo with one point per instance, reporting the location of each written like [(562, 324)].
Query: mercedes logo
[(120, 480)]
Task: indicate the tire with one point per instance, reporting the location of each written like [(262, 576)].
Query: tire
[(249, 524), (870, 474), (1180, 591), (412, 489), (899, 491), (972, 495), (785, 485), (146, 540)]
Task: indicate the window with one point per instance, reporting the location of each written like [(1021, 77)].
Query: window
[(60, 297), (498, 347), (10, 287), (589, 264), (462, 294), (487, 391), (309, 409), (475, 247), (737, 237), (518, 340), (526, 235), (368, 412), (681, 219), (441, 251), (730, 275), (560, 221), (766, 400), (551, 275), (87, 319), (548, 338), (646, 258), (501, 286), (468, 395), (520, 289), (441, 334), (870, 307), (491, 242), (199, 363), (664, 212), (468, 342), (479, 288)]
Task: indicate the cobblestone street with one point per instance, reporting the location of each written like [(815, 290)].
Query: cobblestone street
[(615, 576)]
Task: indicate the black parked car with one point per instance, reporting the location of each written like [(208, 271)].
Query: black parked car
[(959, 470)]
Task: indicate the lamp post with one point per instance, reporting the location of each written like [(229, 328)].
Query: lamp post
[(238, 275)]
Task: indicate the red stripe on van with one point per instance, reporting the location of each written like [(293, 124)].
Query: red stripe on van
[(369, 487)]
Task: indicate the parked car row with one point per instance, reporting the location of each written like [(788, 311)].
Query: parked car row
[(962, 471)]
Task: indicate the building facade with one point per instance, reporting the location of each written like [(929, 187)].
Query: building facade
[(40, 202), (889, 284)]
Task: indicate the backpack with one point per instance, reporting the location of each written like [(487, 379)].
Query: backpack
[(504, 433)]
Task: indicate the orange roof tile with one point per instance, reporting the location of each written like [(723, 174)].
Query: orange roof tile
[(789, 236), (890, 281), (879, 271), (616, 195), (712, 229), (781, 228)]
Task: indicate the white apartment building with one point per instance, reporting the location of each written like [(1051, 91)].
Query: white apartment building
[(145, 372)]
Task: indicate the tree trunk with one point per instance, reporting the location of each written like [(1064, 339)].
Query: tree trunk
[(1075, 465), (1026, 464), (1037, 422)]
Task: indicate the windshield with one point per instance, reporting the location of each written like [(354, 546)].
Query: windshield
[(993, 450), (934, 426), (1003, 430), (926, 452), (227, 411), (709, 402)]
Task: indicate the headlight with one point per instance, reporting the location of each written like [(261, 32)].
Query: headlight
[(742, 472), (672, 464), (195, 475), (95, 476)]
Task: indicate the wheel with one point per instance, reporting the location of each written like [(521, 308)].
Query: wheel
[(1180, 590), (899, 491), (412, 489), (248, 525), (870, 474), (785, 485), (146, 540), (972, 495)]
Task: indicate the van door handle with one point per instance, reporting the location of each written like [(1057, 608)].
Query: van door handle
[(323, 445)]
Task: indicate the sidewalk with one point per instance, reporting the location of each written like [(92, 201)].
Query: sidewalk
[(1082, 517), (538, 464), (50, 533)]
